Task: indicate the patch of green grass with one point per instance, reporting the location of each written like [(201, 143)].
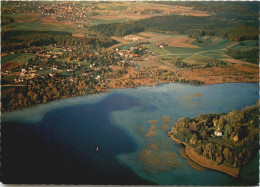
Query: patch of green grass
[(66, 73), (72, 61), (157, 50), (37, 26), (126, 46), (8, 58), (47, 71), (18, 58), (102, 21), (223, 142), (211, 43), (23, 58), (213, 54), (209, 48), (246, 44), (9, 77), (117, 7), (180, 50)]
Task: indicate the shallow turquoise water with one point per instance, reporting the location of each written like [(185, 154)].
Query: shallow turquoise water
[(130, 109)]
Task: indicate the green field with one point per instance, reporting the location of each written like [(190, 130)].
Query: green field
[(117, 7), (157, 50), (18, 58), (38, 26), (126, 46), (9, 77), (47, 71), (71, 61), (246, 44), (66, 73), (223, 142), (102, 21), (211, 47), (8, 58)]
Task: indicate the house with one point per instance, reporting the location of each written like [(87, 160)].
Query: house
[(218, 132), (161, 45), (98, 77)]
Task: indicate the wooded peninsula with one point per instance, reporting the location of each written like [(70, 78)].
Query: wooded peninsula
[(224, 142)]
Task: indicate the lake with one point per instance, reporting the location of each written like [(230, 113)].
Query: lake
[(57, 142)]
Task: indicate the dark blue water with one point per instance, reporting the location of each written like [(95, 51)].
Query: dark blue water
[(59, 139), (78, 130)]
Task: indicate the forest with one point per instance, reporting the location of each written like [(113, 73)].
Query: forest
[(189, 25), (13, 40), (236, 146), (236, 21), (248, 55), (224, 9)]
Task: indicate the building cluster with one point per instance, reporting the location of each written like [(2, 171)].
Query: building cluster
[(64, 11)]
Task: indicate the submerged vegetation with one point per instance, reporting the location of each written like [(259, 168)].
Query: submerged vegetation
[(56, 50), (157, 157)]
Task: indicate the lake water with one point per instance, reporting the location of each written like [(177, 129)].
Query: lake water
[(117, 123)]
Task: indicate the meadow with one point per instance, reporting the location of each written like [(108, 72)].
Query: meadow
[(17, 58), (46, 72)]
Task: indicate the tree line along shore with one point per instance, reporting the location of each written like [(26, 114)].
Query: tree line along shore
[(222, 142), (40, 66)]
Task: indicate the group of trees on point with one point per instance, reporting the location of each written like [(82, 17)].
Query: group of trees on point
[(240, 137)]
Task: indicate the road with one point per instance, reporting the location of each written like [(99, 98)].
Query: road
[(193, 54)]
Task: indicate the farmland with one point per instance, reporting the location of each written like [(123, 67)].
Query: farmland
[(96, 13), (125, 44), (203, 58), (137, 11), (11, 61), (57, 50)]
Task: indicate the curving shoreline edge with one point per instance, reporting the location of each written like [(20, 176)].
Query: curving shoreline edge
[(201, 160)]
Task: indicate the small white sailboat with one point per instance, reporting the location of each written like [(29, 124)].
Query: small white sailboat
[(97, 149)]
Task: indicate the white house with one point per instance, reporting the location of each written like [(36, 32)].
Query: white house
[(218, 132)]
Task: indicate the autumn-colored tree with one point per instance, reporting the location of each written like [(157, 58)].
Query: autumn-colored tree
[(227, 154)]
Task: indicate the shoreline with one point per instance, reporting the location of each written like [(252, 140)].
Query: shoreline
[(111, 89), (201, 160)]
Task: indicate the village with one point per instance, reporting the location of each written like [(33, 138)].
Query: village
[(83, 69), (64, 11)]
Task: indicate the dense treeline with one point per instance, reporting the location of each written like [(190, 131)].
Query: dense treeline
[(21, 39), (6, 20), (190, 25), (13, 40), (118, 29), (241, 11), (248, 55), (240, 140), (207, 63), (41, 90)]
